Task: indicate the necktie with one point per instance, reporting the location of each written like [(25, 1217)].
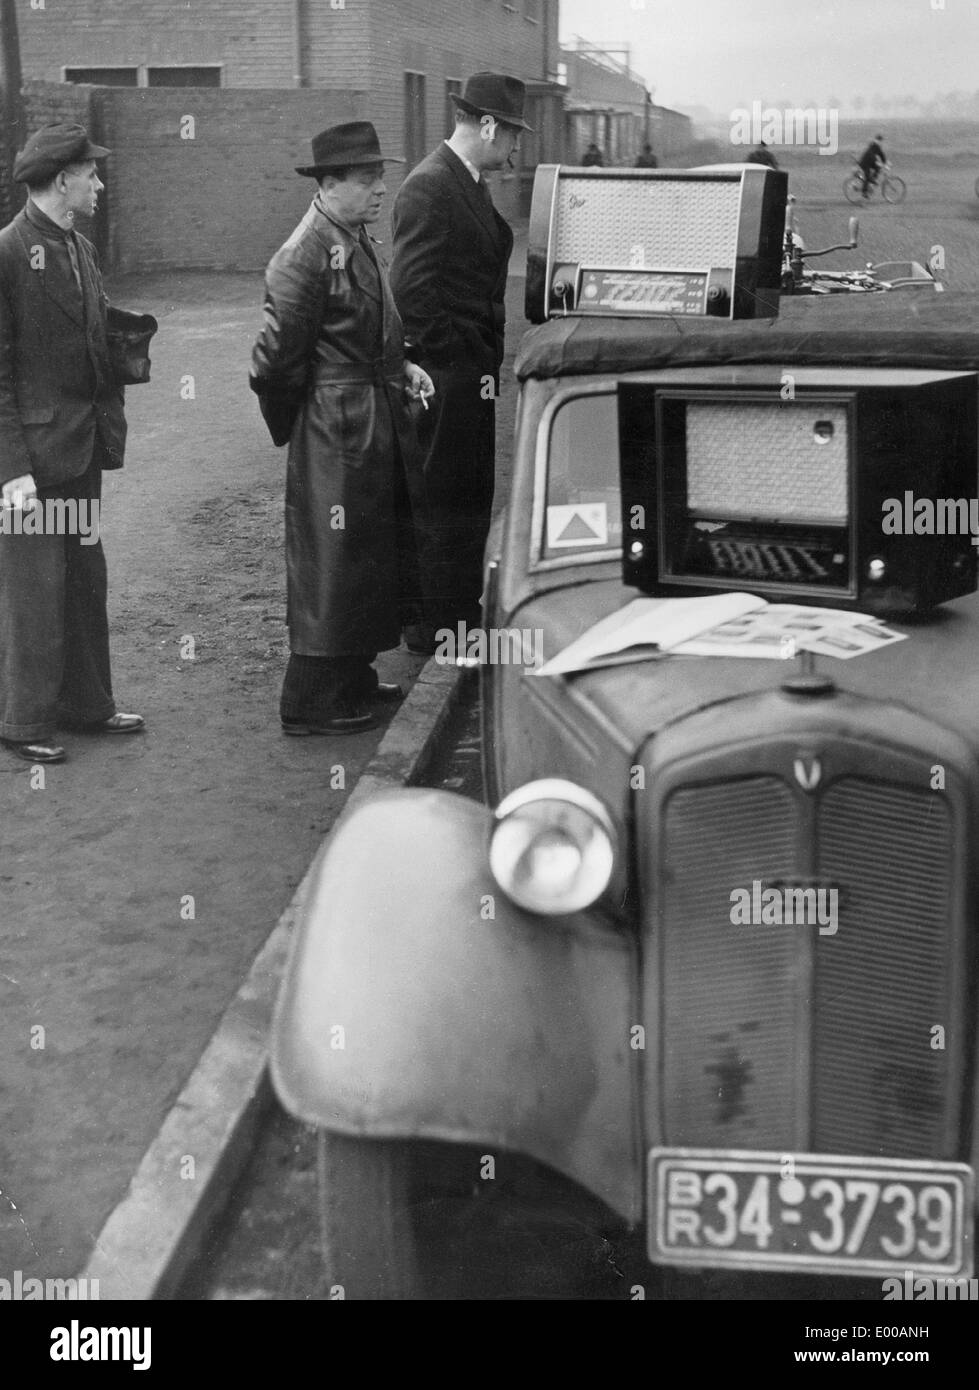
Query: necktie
[(73, 257)]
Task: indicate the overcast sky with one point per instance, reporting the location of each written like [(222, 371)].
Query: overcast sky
[(727, 53)]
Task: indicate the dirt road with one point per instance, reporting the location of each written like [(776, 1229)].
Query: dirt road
[(137, 884)]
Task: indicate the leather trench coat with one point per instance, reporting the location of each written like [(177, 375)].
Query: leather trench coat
[(332, 332)]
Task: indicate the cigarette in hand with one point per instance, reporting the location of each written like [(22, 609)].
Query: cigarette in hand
[(424, 401)]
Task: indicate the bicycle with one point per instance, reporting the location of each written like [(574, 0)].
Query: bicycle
[(892, 189)]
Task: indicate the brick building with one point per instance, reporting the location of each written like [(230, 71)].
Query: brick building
[(610, 104), (403, 57)]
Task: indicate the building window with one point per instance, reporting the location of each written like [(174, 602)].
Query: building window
[(452, 86), (531, 10), (414, 117), (104, 77), (184, 77)]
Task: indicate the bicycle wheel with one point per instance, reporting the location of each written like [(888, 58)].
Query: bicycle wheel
[(894, 190), (853, 188)]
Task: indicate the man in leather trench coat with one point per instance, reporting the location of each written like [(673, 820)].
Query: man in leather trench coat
[(331, 353)]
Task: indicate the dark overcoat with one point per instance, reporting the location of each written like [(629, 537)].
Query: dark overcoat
[(449, 267), (58, 395), (449, 276), (331, 331)]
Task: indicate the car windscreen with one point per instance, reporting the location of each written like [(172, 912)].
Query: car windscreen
[(583, 508)]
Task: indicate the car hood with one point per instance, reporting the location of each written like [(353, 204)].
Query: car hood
[(936, 671)]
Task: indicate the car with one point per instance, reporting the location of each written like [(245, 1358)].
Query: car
[(564, 973)]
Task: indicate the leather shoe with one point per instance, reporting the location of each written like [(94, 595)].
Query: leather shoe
[(36, 752), (348, 719), (420, 638), (116, 724), (385, 692)]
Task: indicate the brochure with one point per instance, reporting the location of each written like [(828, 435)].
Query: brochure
[(730, 624)]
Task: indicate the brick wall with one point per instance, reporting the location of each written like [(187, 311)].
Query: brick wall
[(254, 39), (452, 39), (225, 199)]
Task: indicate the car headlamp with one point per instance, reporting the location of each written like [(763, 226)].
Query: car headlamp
[(552, 848)]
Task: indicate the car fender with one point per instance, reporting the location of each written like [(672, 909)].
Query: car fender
[(419, 1001)]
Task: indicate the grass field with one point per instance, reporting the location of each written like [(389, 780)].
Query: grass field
[(939, 162)]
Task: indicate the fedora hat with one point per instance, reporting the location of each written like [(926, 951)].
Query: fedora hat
[(355, 142), (53, 148), (494, 94)]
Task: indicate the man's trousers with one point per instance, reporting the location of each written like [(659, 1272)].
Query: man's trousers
[(458, 445), (54, 631)]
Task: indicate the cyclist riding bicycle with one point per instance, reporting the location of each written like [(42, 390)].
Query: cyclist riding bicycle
[(871, 162)]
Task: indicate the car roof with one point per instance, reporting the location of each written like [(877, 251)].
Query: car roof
[(900, 328)]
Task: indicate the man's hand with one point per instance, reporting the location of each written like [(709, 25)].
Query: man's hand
[(20, 493), (418, 384)]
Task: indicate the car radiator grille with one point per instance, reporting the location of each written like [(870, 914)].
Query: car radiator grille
[(775, 1036)]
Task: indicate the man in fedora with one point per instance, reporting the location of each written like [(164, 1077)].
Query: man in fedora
[(449, 274), (61, 424), (330, 371)]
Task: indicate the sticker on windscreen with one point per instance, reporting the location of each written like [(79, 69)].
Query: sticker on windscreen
[(582, 524)]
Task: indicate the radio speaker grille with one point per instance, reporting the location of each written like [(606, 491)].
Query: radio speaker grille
[(775, 462), (679, 224)]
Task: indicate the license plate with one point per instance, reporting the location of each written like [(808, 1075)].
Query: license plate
[(753, 1210)]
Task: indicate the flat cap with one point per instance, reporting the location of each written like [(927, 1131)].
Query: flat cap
[(51, 149)]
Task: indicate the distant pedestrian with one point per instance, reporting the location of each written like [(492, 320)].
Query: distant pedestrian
[(593, 157), (330, 371), (762, 155), (647, 160)]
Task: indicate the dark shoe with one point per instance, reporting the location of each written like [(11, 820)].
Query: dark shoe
[(420, 638), (386, 693), (348, 719), (36, 752), (116, 724)]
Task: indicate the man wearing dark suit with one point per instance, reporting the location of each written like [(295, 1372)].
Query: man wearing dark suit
[(61, 423), (449, 272)]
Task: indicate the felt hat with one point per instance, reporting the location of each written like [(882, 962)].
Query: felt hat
[(354, 142), (494, 94)]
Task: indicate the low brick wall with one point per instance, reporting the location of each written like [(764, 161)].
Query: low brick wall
[(198, 179), (203, 179)]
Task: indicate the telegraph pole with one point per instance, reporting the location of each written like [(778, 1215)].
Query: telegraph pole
[(11, 104)]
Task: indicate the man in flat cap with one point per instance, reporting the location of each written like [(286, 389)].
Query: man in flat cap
[(330, 371), (449, 275), (61, 424)]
